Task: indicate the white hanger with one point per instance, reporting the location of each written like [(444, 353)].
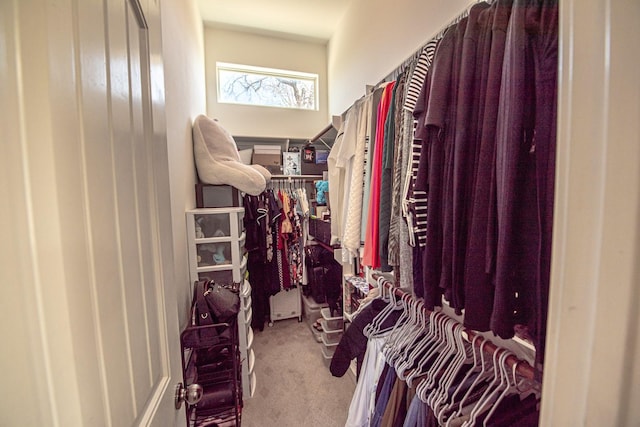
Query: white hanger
[(428, 335), (440, 395), (427, 388), (412, 329), (434, 344), (395, 332), (476, 352), (485, 373), (491, 393), (444, 355), (374, 327), (511, 388), (421, 329)]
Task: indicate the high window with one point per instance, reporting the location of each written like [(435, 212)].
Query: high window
[(245, 84)]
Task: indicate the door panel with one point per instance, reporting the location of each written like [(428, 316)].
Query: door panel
[(88, 194)]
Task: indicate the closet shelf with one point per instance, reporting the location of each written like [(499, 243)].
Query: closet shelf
[(328, 132)]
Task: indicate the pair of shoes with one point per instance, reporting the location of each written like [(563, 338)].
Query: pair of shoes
[(317, 326)]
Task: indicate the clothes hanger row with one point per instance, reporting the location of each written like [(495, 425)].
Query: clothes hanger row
[(460, 376), (288, 184), (391, 292)]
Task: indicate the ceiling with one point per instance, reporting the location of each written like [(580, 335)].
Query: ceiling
[(298, 19)]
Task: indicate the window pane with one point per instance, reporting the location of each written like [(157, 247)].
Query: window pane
[(241, 84)]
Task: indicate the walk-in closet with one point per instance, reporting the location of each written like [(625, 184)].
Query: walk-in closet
[(348, 213)]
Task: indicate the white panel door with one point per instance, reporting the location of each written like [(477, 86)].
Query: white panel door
[(85, 230)]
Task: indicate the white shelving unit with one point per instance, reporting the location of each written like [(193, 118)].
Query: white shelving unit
[(245, 337), (215, 238)]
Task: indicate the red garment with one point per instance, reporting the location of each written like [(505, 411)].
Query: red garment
[(371, 251)]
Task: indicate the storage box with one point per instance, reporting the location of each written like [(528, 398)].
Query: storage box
[(268, 156), (330, 336), (311, 310), (269, 162), (317, 335), (328, 349), (313, 168), (326, 357), (333, 323), (217, 196), (215, 224)]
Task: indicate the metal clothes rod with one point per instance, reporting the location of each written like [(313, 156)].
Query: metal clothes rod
[(522, 367), (296, 177)]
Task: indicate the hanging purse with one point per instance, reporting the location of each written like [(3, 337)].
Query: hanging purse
[(223, 301), (200, 333), (212, 303)]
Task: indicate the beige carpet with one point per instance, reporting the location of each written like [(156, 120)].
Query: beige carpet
[(294, 386)]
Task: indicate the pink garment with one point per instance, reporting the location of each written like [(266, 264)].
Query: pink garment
[(371, 251)]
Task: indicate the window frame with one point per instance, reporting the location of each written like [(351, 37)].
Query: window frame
[(272, 72)]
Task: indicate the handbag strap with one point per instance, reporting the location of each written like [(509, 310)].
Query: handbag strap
[(205, 317)]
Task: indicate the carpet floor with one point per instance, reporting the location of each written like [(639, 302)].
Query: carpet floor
[(293, 384)]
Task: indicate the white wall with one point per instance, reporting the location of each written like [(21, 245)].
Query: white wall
[(374, 37), (183, 50), (273, 52)]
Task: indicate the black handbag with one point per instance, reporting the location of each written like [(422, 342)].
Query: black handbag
[(213, 308), (201, 332), (223, 301)]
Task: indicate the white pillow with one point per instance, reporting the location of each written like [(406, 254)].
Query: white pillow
[(218, 161)]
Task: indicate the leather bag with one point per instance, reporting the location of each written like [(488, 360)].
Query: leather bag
[(223, 301)]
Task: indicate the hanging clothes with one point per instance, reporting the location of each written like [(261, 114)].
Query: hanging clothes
[(353, 220), (486, 116), (431, 111), (414, 204), (412, 377), (292, 239), (256, 223), (275, 231), (385, 198), (371, 252), (363, 401), (368, 158), (336, 174), (477, 187), (405, 246), (395, 166), (480, 267)]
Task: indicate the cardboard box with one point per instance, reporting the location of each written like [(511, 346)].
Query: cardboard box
[(269, 156), (266, 159), (270, 161)]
